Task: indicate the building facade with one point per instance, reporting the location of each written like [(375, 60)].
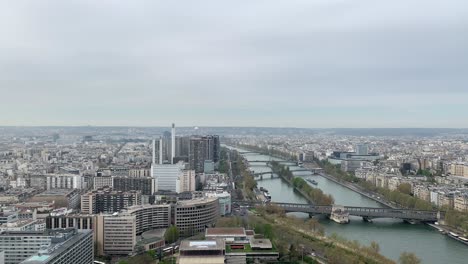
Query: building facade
[(20, 246), (193, 216), (64, 181), (149, 217), (101, 182), (116, 234), (166, 175), (186, 182), (147, 185), (108, 201), (77, 249)]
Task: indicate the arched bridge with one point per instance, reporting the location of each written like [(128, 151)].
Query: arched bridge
[(365, 212)]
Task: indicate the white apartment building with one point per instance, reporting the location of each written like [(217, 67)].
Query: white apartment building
[(186, 182), (64, 181)]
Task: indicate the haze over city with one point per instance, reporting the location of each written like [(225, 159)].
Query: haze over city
[(288, 63)]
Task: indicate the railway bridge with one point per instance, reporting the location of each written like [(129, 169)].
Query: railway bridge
[(367, 213)]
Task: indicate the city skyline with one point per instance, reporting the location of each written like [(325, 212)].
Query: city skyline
[(311, 64)]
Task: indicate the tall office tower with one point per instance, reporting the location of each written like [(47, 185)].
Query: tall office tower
[(362, 149), (198, 153), (166, 145), (154, 152), (173, 143), (160, 151), (182, 147), (216, 149), (203, 149)]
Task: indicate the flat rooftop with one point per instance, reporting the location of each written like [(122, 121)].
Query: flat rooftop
[(202, 245), (260, 244), (196, 201), (235, 231)]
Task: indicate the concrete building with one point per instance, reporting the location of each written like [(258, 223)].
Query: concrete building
[(206, 251), (116, 234), (69, 198), (64, 181), (447, 200), (182, 148), (199, 152), (149, 217), (186, 182), (351, 165), (459, 169), (224, 199), (229, 235), (101, 182), (166, 175), (74, 246), (193, 216), (23, 225), (146, 185), (108, 201), (77, 249), (139, 172), (422, 192), (362, 149), (461, 202)]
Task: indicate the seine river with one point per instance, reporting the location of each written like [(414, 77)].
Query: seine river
[(393, 236)]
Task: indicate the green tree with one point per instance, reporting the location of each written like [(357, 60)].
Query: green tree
[(409, 258), (172, 234), (152, 253), (123, 262), (405, 188), (268, 231)]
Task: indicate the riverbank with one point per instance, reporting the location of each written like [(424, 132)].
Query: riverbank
[(311, 194), (393, 236), (291, 234), (357, 188)]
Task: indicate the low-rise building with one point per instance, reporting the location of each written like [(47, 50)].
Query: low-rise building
[(229, 235), (206, 251), (69, 198), (461, 202)]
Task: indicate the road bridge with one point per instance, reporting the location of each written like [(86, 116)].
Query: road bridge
[(367, 213)]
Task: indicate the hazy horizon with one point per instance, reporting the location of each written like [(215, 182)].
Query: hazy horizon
[(295, 63)]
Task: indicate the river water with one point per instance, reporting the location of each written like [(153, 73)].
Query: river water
[(394, 236)]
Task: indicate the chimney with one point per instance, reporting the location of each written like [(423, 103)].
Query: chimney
[(160, 151), (154, 151), (173, 144)]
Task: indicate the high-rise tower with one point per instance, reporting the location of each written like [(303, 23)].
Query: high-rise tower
[(173, 143)]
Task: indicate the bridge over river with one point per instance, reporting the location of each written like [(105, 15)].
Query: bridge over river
[(367, 213)]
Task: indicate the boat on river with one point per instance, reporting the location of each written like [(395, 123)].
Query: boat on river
[(312, 181), (459, 238)]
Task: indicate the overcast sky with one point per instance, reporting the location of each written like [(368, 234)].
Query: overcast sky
[(311, 63)]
